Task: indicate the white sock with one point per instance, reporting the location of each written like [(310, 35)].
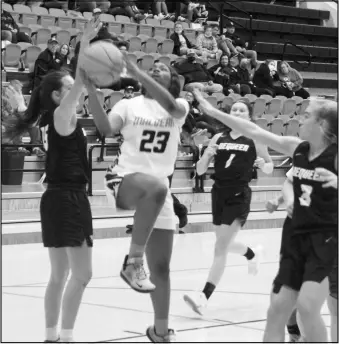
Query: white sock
[(66, 335), (51, 333)]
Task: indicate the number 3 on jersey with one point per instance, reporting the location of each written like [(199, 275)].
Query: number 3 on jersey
[(305, 198), (154, 141), (229, 161)]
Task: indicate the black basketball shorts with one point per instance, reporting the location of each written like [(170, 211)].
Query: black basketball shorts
[(66, 217), (306, 257), (229, 204)]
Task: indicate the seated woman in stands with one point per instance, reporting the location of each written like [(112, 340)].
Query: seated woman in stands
[(221, 74), (265, 78), (291, 79), (64, 51), (208, 45), (181, 42)]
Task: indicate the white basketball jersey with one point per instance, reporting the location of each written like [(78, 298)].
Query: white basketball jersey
[(150, 137)]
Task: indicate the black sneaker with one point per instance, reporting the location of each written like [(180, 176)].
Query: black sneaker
[(129, 229), (52, 341)]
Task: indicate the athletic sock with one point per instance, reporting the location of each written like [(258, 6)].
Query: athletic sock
[(208, 290), (51, 333), (293, 329), (249, 254), (66, 335)]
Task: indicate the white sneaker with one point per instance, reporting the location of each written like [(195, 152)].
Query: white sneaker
[(197, 302), (155, 338), (133, 273), (254, 264)]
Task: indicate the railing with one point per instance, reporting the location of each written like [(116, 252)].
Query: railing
[(301, 49), (222, 16)]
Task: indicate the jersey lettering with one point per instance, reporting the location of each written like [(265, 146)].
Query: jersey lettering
[(229, 161), (305, 198), (154, 141), (233, 146), (303, 173)]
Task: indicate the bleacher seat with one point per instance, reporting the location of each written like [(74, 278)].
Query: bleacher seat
[(106, 18), (39, 10), (166, 47), (42, 36), (165, 60), (88, 15), (31, 55), (65, 22), (274, 107), (12, 55), (46, 21), (283, 98), (150, 46), (251, 97), (292, 127), (114, 28), (57, 12), (297, 99), (160, 32), (277, 126), (212, 100), (132, 57), (63, 37), (24, 46), (227, 102), (289, 107), (7, 7), (26, 30), (259, 107), (21, 8), (146, 62), (262, 123), (303, 106), (267, 98), (29, 18)]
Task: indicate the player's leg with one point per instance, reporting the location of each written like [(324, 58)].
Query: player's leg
[(158, 254), (55, 287), (146, 194), (311, 298), (283, 301), (224, 236), (80, 261), (253, 256)]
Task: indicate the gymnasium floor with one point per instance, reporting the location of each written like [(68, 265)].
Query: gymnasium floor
[(111, 312)]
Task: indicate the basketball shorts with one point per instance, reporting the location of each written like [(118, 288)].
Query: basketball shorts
[(229, 204), (166, 218), (286, 233), (306, 257), (66, 217)]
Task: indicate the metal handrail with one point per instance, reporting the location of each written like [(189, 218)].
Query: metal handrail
[(222, 16), (301, 49)]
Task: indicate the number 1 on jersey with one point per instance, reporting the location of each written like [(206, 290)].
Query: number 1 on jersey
[(229, 161)]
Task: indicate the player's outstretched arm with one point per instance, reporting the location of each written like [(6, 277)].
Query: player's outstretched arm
[(65, 118), (158, 92), (283, 144), (207, 157)]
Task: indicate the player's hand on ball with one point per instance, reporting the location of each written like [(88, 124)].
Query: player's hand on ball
[(329, 179), (272, 205), (91, 30), (259, 162)]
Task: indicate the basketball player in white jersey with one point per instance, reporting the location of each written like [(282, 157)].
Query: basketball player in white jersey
[(150, 125)]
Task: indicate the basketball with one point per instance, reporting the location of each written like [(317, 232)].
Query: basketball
[(103, 62)]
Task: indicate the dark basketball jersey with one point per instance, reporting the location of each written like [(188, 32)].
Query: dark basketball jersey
[(234, 160), (315, 207), (66, 161)]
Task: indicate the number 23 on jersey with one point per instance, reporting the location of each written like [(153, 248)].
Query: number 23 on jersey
[(153, 141)]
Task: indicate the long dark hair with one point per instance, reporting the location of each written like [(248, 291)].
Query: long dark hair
[(175, 86), (40, 108)]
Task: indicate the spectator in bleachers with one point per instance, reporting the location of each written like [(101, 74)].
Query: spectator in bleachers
[(11, 28), (196, 75), (190, 10), (126, 8), (240, 81), (13, 104), (292, 80), (160, 10), (181, 42), (264, 78), (224, 43), (48, 60), (128, 93), (221, 73), (207, 44), (240, 44), (90, 6), (64, 52)]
